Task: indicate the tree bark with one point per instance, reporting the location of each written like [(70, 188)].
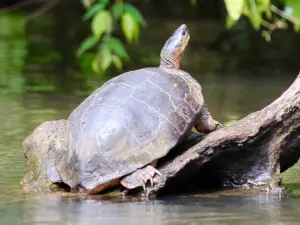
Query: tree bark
[(253, 152)]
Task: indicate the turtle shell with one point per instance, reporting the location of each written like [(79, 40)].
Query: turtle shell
[(132, 120)]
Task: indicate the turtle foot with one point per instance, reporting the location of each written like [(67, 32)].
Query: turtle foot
[(140, 178)]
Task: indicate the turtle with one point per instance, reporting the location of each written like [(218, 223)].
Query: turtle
[(118, 133)]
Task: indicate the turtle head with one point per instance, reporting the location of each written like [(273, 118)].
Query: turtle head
[(174, 47)]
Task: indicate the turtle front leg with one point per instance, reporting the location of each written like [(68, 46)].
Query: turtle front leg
[(205, 123), (140, 177)]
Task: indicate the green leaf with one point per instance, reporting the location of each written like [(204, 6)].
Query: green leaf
[(295, 4), (85, 62), (255, 20), (96, 66), (101, 23), (297, 27), (117, 47), (129, 26), (103, 50), (262, 5), (136, 32), (135, 13), (117, 62), (230, 22), (92, 11), (105, 62), (105, 57), (88, 43), (268, 14), (104, 2), (234, 8), (117, 10)]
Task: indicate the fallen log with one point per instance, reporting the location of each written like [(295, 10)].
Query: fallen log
[(253, 152)]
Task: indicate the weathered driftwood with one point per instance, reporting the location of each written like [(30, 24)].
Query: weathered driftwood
[(250, 153)]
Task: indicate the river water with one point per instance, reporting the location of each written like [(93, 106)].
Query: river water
[(229, 96)]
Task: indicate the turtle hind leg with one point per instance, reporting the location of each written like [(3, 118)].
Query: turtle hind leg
[(140, 177), (205, 123)]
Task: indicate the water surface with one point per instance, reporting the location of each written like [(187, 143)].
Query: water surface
[(175, 210)]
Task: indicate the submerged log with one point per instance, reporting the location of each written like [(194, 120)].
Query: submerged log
[(253, 152)]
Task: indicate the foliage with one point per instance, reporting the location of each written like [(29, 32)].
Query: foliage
[(262, 13), (105, 18)]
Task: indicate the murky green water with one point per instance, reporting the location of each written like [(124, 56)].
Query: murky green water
[(229, 97)]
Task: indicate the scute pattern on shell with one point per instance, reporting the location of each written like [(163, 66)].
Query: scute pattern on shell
[(130, 121)]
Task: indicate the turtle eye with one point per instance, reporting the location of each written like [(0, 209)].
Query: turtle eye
[(183, 33)]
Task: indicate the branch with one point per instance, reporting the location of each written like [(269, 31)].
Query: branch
[(46, 7), (284, 15), (255, 11), (21, 4), (251, 153)]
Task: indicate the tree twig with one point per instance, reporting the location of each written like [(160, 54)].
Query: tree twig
[(46, 7), (22, 5), (255, 11), (281, 13)]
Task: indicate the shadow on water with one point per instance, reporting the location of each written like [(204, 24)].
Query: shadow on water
[(40, 81)]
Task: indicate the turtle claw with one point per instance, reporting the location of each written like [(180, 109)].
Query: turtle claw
[(144, 187), (140, 178), (158, 173), (218, 125), (151, 181), (125, 192)]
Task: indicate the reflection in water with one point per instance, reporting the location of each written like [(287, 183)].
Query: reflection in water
[(175, 210)]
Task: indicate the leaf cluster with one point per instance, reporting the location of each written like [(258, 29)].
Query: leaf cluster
[(262, 13), (105, 17)]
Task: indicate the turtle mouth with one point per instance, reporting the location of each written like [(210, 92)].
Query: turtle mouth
[(185, 42)]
